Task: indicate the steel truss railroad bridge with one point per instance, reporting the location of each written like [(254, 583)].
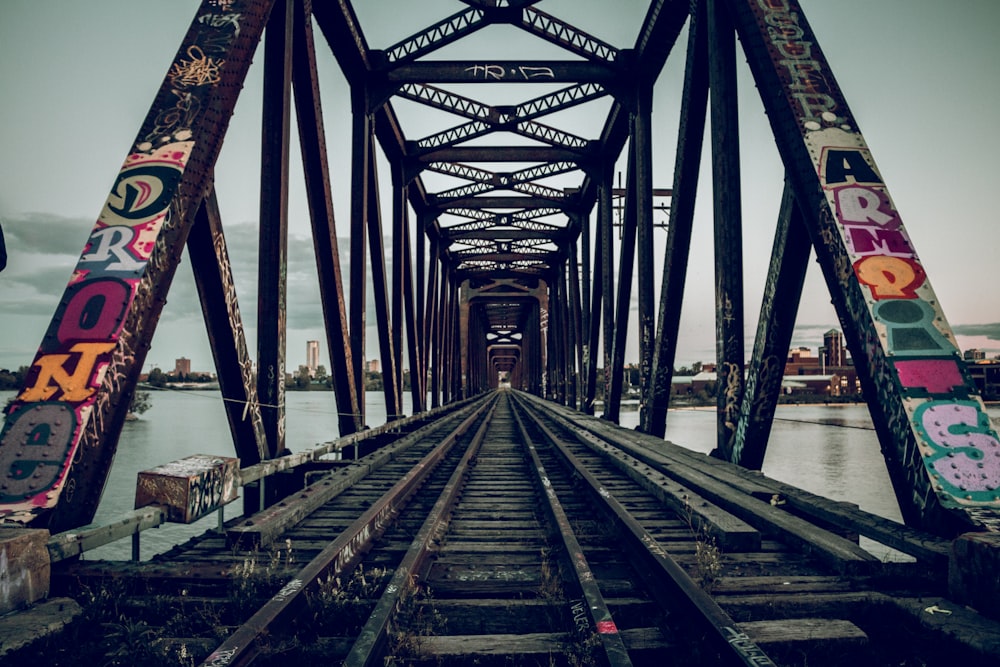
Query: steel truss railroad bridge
[(501, 225)]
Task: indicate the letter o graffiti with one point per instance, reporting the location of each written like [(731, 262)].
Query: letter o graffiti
[(143, 190), (95, 310), (901, 312), (910, 328), (33, 448)]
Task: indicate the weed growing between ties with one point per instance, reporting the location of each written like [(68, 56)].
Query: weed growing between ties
[(342, 610), (550, 586), (707, 555), (170, 629), (259, 577), (416, 617)]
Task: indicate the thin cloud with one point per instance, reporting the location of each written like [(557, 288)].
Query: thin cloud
[(990, 331)]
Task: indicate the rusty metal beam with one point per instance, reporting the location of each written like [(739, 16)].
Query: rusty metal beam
[(728, 224), (380, 292), (398, 244), (503, 154), (562, 34), (785, 278), (558, 236), (687, 163), (316, 170), (605, 222), (361, 138), (594, 330), (501, 202), (415, 343), (501, 71), (213, 278), (577, 334), (643, 193), (434, 37), (612, 402), (273, 246)]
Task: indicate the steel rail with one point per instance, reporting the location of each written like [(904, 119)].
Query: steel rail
[(600, 616), (242, 646), (738, 647), (368, 648)]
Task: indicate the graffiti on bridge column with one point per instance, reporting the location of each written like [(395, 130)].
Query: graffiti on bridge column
[(915, 365), (86, 348)]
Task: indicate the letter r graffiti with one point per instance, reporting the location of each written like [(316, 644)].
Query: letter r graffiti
[(115, 241)]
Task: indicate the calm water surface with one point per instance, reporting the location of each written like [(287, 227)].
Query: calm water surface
[(828, 450)]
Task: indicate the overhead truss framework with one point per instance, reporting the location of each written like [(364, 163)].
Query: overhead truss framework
[(504, 249)]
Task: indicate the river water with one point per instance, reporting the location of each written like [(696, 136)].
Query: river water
[(828, 450)]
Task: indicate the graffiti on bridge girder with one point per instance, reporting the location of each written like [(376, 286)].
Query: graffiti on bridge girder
[(909, 344), (86, 347)]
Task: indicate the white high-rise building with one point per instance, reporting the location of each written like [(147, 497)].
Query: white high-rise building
[(312, 356)]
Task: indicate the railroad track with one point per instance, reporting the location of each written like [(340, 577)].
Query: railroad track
[(510, 533)]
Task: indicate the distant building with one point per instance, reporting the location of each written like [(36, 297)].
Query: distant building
[(373, 366), (833, 351), (312, 356), (182, 366), (974, 355), (831, 373), (985, 374)]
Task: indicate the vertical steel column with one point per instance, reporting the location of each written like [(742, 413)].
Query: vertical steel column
[(316, 170), (398, 265), (594, 331), (612, 402), (361, 139), (643, 186), (462, 344), (557, 334), (687, 164), (440, 306), (606, 222), (376, 245), (585, 273), (273, 251), (477, 357), (566, 325), (471, 348), (728, 224), (414, 339), (550, 337), (533, 358), (431, 325), (456, 341), (421, 289), (577, 336), (785, 278), (444, 326)]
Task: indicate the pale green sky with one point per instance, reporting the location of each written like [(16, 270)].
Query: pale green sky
[(77, 78)]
